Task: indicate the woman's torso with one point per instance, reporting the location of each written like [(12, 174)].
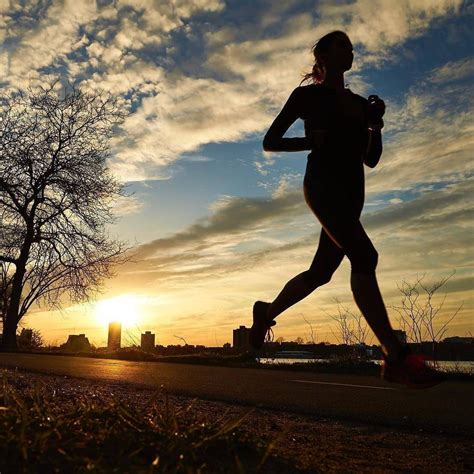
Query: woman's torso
[(337, 166)]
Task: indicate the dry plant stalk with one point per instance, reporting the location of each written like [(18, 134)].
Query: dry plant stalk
[(419, 317)]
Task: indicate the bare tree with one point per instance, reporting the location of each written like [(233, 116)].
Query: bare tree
[(130, 339), (419, 315), (343, 327), (30, 339), (361, 330), (56, 197), (5, 289), (312, 338), (182, 338), (351, 328)]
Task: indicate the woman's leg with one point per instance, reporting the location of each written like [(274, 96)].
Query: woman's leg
[(349, 233), (326, 260)]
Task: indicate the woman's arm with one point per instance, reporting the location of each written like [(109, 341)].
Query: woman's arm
[(375, 108), (273, 140), (374, 148)]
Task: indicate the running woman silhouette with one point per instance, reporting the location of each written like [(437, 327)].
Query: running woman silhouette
[(342, 132)]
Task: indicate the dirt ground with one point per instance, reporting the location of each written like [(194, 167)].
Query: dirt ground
[(311, 444)]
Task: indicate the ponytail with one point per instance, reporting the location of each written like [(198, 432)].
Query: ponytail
[(318, 71), (316, 74)]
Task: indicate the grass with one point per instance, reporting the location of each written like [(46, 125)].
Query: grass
[(47, 429)]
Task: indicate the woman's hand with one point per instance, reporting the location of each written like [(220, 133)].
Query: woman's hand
[(317, 138), (376, 111)]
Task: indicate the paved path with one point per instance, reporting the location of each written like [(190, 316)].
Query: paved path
[(448, 407)]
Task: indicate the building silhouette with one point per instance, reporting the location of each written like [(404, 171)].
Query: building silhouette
[(147, 341), (115, 335), (76, 343), (241, 338), (459, 340)]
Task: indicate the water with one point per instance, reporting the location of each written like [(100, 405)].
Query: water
[(281, 360), (444, 365)]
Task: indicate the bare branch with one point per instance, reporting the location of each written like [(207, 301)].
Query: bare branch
[(56, 194), (420, 319)]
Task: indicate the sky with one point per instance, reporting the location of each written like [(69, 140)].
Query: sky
[(216, 223)]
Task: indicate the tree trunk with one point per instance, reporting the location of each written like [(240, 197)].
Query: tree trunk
[(11, 320), (12, 317), (9, 336)]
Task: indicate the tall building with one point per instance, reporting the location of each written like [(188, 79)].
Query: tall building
[(76, 343), (115, 335), (241, 338), (148, 341)]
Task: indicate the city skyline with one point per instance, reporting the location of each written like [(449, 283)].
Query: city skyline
[(217, 223)]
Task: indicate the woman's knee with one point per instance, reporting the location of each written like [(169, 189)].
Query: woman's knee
[(314, 278), (364, 260)]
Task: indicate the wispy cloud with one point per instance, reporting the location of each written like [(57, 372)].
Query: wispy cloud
[(186, 114), (453, 71), (239, 234), (127, 205), (430, 138), (241, 82)]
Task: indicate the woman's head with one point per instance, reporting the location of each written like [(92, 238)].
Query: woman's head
[(331, 52)]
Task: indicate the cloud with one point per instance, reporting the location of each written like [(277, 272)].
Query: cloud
[(445, 207), (243, 233), (186, 114), (52, 35), (192, 77), (109, 47), (233, 218), (379, 25), (432, 232), (453, 71), (50, 41), (374, 26), (127, 205), (249, 248), (428, 136)]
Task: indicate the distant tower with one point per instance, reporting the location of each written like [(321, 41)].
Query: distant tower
[(148, 341), (115, 334), (241, 338)]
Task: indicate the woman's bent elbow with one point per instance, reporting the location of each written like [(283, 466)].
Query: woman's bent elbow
[(371, 161), (267, 145)]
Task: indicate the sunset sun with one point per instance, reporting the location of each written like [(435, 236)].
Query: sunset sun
[(123, 309)]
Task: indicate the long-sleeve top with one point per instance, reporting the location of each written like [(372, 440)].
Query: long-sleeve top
[(339, 161), (319, 108)]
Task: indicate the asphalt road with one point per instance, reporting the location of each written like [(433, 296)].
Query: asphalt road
[(448, 407)]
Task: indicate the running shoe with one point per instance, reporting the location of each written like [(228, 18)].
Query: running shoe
[(413, 371), (261, 328)]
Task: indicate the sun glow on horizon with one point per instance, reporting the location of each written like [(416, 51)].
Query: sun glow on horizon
[(123, 309)]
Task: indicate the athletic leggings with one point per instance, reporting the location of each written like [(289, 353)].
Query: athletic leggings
[(341, 234)]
